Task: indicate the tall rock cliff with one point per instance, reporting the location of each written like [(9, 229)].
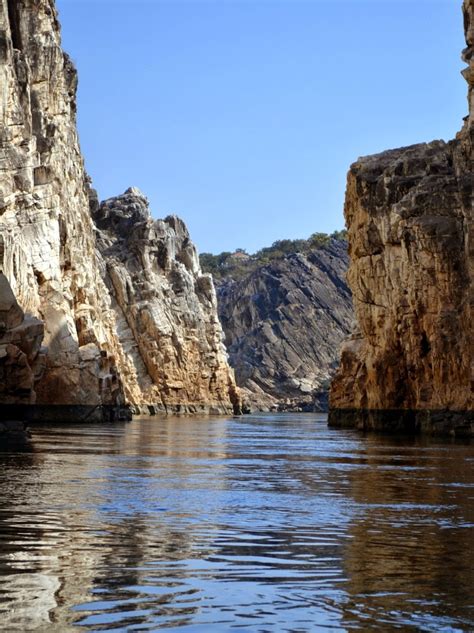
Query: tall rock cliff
[(48, 249), (267, 315), (165, 310), (409, 214), (47, 246)]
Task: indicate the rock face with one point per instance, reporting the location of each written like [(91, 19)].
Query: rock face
[(21, 356), (48, 249), (165, 308), (409, 214), (267, 316), (47, 246)]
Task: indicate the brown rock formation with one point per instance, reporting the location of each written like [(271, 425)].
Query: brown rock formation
[(409, 214), (48, 248)]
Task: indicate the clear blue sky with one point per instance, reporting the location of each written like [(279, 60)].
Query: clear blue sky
[(243, 116)]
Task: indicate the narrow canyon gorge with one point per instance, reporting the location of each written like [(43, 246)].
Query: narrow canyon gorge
[(106, 312)]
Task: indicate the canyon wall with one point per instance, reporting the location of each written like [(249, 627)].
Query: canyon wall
[(165, 310), (48, 247), (409, 214), (267, 315)]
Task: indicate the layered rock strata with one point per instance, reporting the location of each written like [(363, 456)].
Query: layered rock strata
[(48, 249), (267, 316), (409, 214), (165, 309), (47, 246)]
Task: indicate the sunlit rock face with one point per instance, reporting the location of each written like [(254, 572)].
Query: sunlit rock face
[(47, 245), (48, 249), (409, 214), (166, 310)]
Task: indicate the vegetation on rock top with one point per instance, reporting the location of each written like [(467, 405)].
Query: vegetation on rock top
[(240, 263)]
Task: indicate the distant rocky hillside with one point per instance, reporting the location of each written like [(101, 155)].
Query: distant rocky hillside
[(284, 312)]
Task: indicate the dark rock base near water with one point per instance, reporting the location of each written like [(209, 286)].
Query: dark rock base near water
[(13, 435), (453, 423), (64, 413)]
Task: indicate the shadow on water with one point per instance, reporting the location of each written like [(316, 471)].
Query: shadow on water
[(265, 523)]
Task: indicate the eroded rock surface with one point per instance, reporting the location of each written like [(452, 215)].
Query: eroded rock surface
[(21, 355), (47, 245), (409, 214), (284, 323), (48, 249), (166, 310)]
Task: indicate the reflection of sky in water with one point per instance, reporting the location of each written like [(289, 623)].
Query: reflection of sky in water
[(262, 523)]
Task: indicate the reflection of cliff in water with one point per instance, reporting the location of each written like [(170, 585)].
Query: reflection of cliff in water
[(271, 522), (28, 590), (411, 541), (75, 525)]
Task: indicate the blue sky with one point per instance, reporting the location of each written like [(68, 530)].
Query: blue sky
[(243, 116)]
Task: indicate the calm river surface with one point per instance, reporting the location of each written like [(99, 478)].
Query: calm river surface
[(261, 523)]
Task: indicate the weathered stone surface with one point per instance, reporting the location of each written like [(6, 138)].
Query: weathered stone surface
[(47, 244), (284, 324), (409, 214), (21, 357), (48, 253), (166, 311)]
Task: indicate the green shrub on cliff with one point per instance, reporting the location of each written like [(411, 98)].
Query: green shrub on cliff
[(239, 263)]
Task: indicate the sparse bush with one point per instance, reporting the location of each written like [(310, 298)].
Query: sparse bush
[(340, 235), (227, 264)]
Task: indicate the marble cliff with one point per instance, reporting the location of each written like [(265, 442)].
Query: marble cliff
[(409, 214), (165, 309), (91, 320)]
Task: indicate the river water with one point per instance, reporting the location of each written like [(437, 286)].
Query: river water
[(260, 523)]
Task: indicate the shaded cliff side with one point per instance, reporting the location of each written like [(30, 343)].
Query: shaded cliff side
[(284, 322), (409, 215), (48, 249)]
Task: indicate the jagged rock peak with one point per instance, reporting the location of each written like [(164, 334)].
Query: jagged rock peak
[(166, 310), (135, 191), (121, 213)]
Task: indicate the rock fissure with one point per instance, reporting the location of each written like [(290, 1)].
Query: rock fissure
[(14, 24)]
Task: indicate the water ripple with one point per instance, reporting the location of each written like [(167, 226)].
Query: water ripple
[(265, 523)]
